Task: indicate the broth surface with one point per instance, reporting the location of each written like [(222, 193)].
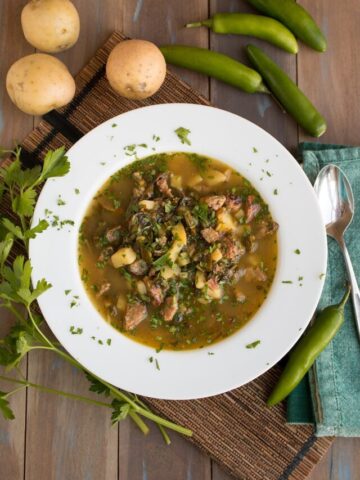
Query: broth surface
[(177, 251)]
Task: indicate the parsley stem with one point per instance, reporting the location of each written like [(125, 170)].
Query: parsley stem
[(15, 391), (164, 422), (139, 422), (54, 391), (160, 427), (42, 335), (164, 434)]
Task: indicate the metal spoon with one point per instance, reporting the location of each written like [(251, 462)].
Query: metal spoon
[(336, 201)]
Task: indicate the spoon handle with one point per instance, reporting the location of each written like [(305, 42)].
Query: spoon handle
[(355, 293)]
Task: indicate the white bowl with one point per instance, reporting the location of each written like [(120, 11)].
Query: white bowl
[(281, 319)]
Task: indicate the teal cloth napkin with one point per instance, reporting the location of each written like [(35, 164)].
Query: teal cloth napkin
[(330, 395)]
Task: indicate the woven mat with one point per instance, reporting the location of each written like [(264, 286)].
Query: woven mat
[(236, 429)]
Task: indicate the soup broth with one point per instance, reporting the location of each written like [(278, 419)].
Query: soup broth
[(177, 251)]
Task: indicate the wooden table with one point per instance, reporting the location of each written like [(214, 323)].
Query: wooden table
[(54, 438)]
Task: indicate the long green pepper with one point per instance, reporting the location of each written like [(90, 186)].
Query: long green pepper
[(216, 65), (254, 25), (319, 335), (296, 18), (287, 92)]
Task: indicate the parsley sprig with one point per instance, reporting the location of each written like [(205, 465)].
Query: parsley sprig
[(19, 187)]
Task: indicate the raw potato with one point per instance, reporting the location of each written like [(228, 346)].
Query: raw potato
[(136, 69), (50, 25), (39, 83)]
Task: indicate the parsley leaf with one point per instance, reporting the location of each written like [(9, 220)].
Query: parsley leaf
[(6, 411), (5, 248), (182, 134), (96, 386), (120, 412), (39, 228), (55, 164), (24, 203), (12, 228), (253, 344)]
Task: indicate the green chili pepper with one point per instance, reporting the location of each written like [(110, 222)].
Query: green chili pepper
[(296, 18), (255, 25), (308, 348), (287, 92), (214, 65)]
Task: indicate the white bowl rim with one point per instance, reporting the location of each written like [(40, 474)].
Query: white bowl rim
[(269, 166)]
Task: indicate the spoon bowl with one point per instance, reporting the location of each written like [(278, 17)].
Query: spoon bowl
[(336, 201)]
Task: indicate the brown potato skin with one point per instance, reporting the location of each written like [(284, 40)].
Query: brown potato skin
[(50, 25), (136, 69), (39, 83)]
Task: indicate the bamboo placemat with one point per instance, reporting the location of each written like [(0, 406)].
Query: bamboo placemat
[(236, 429)]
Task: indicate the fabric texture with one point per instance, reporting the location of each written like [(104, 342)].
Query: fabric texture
[(334, 392)]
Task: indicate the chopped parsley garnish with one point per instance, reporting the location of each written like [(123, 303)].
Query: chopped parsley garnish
[(156, 138), (287, 281), (253, 344), (162, 262), (60, 202), (321, 276), (76, 331), (183, 134), (114, 125), (255, 150), (275, 192), (77, 191), (157, 364), (297, 251), (67, 292), (108, 341)]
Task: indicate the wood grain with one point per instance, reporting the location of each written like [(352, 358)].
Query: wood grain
[(332, 79), (13, 124), (13, 127), (12, 433), (66, 439)]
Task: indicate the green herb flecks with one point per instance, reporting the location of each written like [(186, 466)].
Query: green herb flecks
[(253, 344), (183, 134), (75, 331)]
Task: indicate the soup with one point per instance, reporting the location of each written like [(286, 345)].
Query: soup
[(177, 251)]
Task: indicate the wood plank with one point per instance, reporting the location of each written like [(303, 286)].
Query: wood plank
[(13, 123), (13, 126), (12, 433), (341, 462), (60, 432), (258, 108), (148, 457), (66, 439), (332, 79)]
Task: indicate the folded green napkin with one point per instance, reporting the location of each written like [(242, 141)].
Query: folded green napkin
[(330, 395)]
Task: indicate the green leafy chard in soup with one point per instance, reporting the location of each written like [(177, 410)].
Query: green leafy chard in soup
[(178, 251)]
